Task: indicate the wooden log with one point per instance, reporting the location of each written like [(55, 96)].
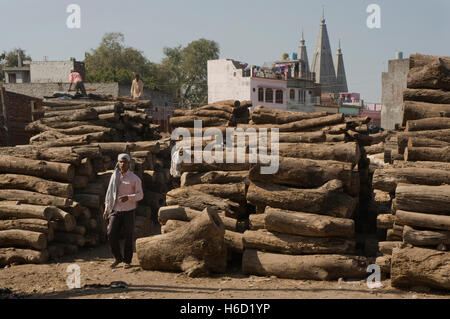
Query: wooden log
[(421, 110), (213, 177), (305, 224), (403, 137), (392, 236), (385, 264), (28, 197), (305, 137), (375, 149), (294, 244), (70, 238), (207, 167), (420, 267), (432, 123), (433, 154), (184, 248), (88, 151), (385, 221), (426, 95), (257, 221), (234, 241), (67, 219), (413, 219), (19, 211), (77, 115), (62, 155), (30, 224), (422, 164), (114, 148), (203, 113), (23, 239), (25, 182), (306, 173), (10, 256), (88, 200), (386, 247), (430, 73), (316, 267), (425, 199), (425, 237), (232, 191), (86, 169), (188, 121), (171, 225), (426, 142), (387, 179), (345, 152), (198, 200), (264, 115), (327, 199), (17, 165), (150, 146)]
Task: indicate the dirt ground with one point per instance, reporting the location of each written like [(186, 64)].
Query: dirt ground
[(49, 281)]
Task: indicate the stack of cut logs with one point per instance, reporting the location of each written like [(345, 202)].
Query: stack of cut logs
[(52, 191), (418, 238), (306, 208)]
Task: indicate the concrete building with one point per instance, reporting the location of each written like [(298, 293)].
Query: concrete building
[(393, 84), (373, 110), (283, 86)]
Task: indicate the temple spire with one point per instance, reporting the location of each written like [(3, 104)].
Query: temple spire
[(303, 57), (341, 78)]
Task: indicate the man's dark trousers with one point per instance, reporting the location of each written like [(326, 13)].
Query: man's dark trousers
[(117, 221), (80, 86)]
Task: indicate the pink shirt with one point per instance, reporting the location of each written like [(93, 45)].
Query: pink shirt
[(75, 77), (130, 185)]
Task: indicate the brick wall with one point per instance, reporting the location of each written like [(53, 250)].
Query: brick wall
[(17, 113)]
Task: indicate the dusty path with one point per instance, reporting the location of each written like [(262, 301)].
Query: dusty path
[(49, 281)]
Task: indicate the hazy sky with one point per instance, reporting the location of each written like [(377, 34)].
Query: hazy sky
[(251, 31)]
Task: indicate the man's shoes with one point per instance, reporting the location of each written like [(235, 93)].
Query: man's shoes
[(115, 263), (126, 266)]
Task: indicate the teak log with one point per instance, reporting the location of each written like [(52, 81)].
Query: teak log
[(421, 110), (426, 142), (432, 123), (17, 165), (34, 198), (232, 191), (429, 72), (306, 224), (25, 211), (188, 121), (385, 221), (196, 249), (10, 256), (386, 247), (327, 199), (412, 219), (420, 267), (23, 239), (316, 267), (441, 154), (422, 164), (403, 137), (307, 137), (31, 224), (387, 179), (213, 177), (77, 115), (60, 154), (424, 199), (425, 237), (234, 241), (264, 115), (25, 182), (426, 95), (257, 221), (295, 245)]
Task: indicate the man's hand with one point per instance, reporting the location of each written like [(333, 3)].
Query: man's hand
[(123, 199), (105, 215)]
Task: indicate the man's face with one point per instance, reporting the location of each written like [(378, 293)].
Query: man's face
[(123, 165)]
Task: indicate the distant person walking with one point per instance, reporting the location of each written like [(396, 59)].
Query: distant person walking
[(75, 77), (124, 191), (137, 88)]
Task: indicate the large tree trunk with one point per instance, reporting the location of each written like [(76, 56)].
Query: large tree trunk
[(427, 154), (403, 137), (25, 182), (25, 211), (424, 199), (387, 179), (203, 113), (207, 167), (77, 115), (264, 115), (432, 123), (305, 224), (296, 245), (386, 247), (307, 173), (426, 142), (10, 256), (234, 241), (30, 224), (232, 191), (257, 221), (316, 267), (23, 239), (425, 237), (67, 219), (88, 200), (421, 110), (188, 121), (12, 164), (429, 72), (327, 199), (385, 221), (213, 177), (420, 267), (343, 152), (313, 137), (425, 95), (422, 164), (34, 198), (198, 200), (61, 154), (195, 249), (413, 219)]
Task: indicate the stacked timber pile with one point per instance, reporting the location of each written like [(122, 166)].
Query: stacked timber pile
[(55, 186), (419, 184), (219, 114), (308, 207)]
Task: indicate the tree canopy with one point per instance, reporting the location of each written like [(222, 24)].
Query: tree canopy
[(11, 58)]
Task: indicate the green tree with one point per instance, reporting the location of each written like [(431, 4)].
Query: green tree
[(11, 58), (112, 61), (184, 72)]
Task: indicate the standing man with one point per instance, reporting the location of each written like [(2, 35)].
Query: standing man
[(137, 88), (124, 191), (75, 77)]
